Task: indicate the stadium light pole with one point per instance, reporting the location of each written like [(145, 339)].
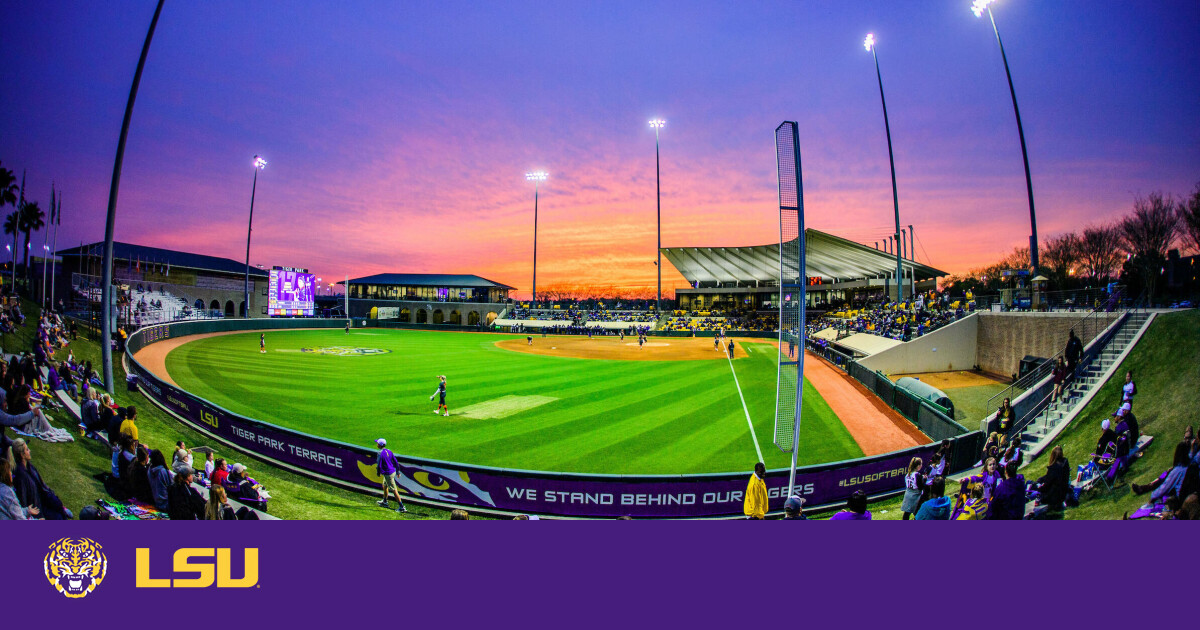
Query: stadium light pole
[(537, 177), (979, 7), (106, 290), (657, 124), (259, 164), (869, 44)]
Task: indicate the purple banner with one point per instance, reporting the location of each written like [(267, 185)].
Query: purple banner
[(515, 491)]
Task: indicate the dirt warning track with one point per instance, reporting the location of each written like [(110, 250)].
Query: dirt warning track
[(876, 427)]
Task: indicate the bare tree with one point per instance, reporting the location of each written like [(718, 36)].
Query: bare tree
[(1060, 255), (1100, 251), (1189, 221), (1148, 233)]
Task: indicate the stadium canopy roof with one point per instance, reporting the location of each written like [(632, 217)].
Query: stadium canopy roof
[(868, 344), (429, 280), (129, 252), (830, 257)]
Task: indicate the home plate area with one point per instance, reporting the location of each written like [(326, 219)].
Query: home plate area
[(502, 407)]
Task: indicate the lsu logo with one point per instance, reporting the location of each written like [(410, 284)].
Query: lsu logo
[(199, 561), (208, 418), (75, 566), (345, 351)]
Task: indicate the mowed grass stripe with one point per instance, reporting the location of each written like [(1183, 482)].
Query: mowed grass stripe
[(628, 417)]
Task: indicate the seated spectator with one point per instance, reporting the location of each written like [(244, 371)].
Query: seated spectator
[(39, 425), (1054, 485), (10, 506), (1107, 436), (793, 509), (1005, 417), (937, 508), (183, 455), (160, 480), (856, 509), (1168, 483), (90, 415), (218, 508), (126, 454), (129, 426), (1013, 454), (247, 489), (184, 502), (460, 515), (137, 477), (30, 489), (1008, 500), (1126, 421), (220, 473), (971, 506)]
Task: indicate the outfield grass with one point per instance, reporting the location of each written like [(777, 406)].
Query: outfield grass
[(69, 468), (547, 413)]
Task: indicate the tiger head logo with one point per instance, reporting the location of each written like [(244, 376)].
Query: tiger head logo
[(75, 566)]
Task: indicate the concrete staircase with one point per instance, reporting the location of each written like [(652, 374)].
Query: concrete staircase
[(1093, 374)]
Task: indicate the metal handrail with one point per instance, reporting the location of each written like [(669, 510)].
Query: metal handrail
[(1040, 372)]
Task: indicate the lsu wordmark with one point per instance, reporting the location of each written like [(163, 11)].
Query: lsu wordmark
[(209, 566)]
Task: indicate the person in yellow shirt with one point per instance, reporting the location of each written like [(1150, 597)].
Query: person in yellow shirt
[(756, 493), (127, 425)]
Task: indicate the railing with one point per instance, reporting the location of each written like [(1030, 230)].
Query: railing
[(1086, 328)]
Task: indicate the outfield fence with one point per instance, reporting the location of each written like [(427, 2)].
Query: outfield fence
[(499, 490)]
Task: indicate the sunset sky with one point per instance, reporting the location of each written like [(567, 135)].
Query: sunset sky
[(398, 133)]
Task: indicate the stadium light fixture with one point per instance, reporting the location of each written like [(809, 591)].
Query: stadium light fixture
[(869, 44), (979, 8), (537, 177), (259, 164), (656, 124)]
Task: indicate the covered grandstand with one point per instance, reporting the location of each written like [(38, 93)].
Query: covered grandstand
[(747, 278)]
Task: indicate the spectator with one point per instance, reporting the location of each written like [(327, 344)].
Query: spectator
[(218, 508), (856, 509), (1008, 500), (460, 515), (973, 507), (30, 489), (1060, 379), (160, 480), (914, 484), (1013, 454), (1168, 482), (1107, 436), (989, 477), (1127, 422), (793, 509), (10, 506), (1054, 485), (385, 466), (220, 473), (1004, 417), (937, 507), (128, 425), (126, 453), (247, 488), (755, 505), (183, 455), (1129, 389), (90, 414), (1072, 352), (137, 477), (184, 503)]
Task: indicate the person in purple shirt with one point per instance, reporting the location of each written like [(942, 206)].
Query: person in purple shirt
[(386, 466), (856, 509), (1008, 499)]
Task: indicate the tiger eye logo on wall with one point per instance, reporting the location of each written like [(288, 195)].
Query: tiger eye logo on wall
[(75, 566), (345, 351)]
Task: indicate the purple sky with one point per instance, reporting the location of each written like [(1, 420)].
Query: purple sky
[(398, 135)]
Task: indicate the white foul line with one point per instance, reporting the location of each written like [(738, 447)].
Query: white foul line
[(748, 423)]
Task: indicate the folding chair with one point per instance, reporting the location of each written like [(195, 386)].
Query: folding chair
[(1105, 461)]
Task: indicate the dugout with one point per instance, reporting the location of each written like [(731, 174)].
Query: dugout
[(926, 392)]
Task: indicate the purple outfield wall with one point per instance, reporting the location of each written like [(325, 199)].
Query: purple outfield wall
[(514, 491)]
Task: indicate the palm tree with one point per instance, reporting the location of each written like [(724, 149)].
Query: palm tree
[(31, 220), (8, 188)]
